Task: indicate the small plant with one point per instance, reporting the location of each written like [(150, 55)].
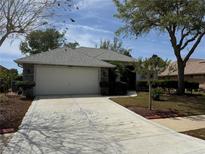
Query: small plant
[(156, 93), (25, 87)]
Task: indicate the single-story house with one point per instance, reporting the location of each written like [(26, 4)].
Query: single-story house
[(194, 71), (65, 71)]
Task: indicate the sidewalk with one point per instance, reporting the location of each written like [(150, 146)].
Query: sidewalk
[(181, 124)]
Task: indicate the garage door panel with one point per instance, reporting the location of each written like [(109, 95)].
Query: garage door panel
[(58, 80)]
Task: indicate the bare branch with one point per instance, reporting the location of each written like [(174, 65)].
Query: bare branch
[(190, 40), (194, 47), (183, 36), (21, 16)]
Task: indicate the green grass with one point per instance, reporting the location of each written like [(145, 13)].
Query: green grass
[(199, 133), (187, 105)]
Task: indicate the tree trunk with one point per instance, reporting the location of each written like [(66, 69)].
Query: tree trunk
[(150, 95), (3, 38), (181, 85)]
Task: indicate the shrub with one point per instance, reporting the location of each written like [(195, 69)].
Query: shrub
[(156, 93), (25, 87), (2, 86), (6, 77), (142, 86), (165, 84), (191, 86), (25, 84), (170, 84)]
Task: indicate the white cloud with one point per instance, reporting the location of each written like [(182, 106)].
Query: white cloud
[(10, 48), (89, 28), (85, 4), (87, 36), (9, 51), (85, 40)]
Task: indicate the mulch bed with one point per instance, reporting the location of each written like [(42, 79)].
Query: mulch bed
[(12, 110), (199, 133), (154, 114)]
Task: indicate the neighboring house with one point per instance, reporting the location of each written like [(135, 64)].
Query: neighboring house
[(194, 71), (70, 71), (2, 68)]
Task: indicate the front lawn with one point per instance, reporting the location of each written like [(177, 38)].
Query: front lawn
[(12, 111), (169, 106), (199, 133)]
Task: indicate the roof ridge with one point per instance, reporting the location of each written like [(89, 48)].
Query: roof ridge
[(95, 57), (108, 50), (92, 48), (99, 55)]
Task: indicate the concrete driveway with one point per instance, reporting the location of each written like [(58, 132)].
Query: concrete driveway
[(94, 125)]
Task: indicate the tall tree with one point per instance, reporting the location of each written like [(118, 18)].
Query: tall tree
[(115, 45), (41, 41), (182, 20), (72, 45), (21, 16)]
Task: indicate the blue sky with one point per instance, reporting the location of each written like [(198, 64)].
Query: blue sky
[(94, 22)]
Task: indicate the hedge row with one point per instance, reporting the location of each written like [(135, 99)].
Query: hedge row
[(170, 84), (24, 84)]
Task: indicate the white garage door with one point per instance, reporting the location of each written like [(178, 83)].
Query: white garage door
[(62, 80)]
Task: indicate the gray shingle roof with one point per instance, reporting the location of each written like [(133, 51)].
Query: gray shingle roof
[(104, 54), (3, 68), (193, 66), (64, 56), (91, 57)]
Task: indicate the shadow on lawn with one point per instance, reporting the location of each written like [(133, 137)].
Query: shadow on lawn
[(50, 135)]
